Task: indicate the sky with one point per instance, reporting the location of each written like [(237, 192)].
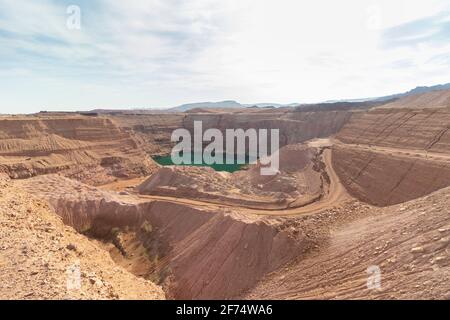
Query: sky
[(87, 54)]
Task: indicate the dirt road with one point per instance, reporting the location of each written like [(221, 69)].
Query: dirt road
[(335, 195), (409, 153)]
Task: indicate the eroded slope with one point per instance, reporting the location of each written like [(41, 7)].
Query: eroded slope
[(39, 256), (193, 252), (409, 243)]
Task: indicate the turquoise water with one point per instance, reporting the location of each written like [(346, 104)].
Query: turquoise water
[(166, 160)]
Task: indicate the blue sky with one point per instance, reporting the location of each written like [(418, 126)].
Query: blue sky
[(161, 53)]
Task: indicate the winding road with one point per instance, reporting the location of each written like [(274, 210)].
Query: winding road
[(335, 195)]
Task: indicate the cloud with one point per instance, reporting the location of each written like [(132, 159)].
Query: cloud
[(434, 30), (425, 42), (167, 52)]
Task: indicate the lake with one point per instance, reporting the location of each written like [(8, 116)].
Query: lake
[(166, 160)]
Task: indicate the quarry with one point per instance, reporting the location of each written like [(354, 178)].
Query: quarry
[(355, 187)]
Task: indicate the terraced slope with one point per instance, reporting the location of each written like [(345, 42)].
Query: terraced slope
[(434, 99), (151, 131), (390, 155), (423, 130), (94, 150)]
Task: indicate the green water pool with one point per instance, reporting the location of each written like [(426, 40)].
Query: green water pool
[(166, 160)]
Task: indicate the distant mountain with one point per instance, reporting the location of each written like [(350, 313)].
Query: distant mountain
[(428, 89), (416, 90), (229, 104), (330, 104), (349, 100), (338, 104), (207, 105), (341, 105), (270, 105)]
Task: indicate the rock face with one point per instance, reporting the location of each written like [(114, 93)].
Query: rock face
[(194, 253), (384, 179), (218, 256), (388, 156), (294, 126), (94, 150), (153, 131)]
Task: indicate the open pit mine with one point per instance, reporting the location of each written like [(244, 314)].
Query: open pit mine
[(86, 212)]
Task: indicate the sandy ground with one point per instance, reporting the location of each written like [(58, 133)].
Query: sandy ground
[(41, 258)]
